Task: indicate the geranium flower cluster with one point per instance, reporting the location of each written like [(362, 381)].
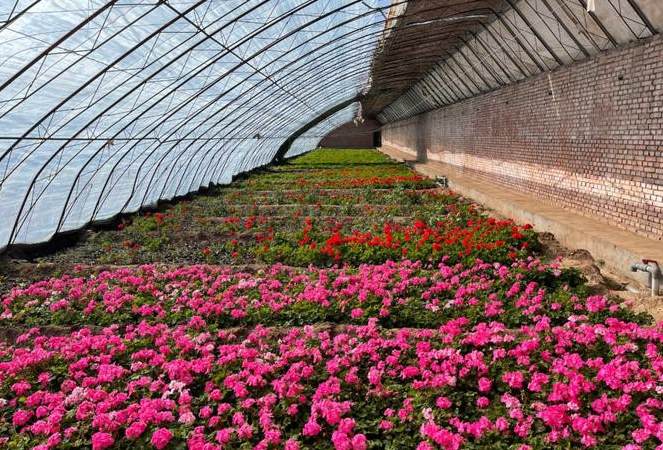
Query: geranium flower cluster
[(480, 237), (576, 384), (399, 294)]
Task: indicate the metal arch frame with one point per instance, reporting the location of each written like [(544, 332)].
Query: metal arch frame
[(254, 153), (276, 123), (57, 43), (518, 41), (142, 83), (281, 152), (315, 78), (82, 58), (232, 52), (271, 44), (147, 39), (95, 155), (323, 128), (519, 64), (343, 36), (635, 8), (566, 29), (264, 126), (349, 21), (225, 160), (11, 19), (219, 159), (200, 2), (217, 170), (535, 32), (498, 17), (490, 68), (364, 14), (643, 17), (237, 118), (477, 40), (301, 82), (487, 67), (554, 45)]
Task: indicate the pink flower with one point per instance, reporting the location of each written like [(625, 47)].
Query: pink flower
[(161, 438), (443, 403), (291, 444), (223, 436), (135, 430), (484, 384), (359, 442), (501, 424), (537, 382), (311, 428), (356, 313), (554, 416), (410, 372), (21, 417), (245, 431), (346, 425), (54, 440), (514, 379), (385, 425), (596, 303), (100, 441), (187, 418), (341, 441), (21, 388), (205, 412)]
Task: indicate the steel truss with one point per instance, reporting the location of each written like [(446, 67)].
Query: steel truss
[(528, 38)]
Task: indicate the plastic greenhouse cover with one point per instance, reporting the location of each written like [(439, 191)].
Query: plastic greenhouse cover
[(311, 139), (108, 106)]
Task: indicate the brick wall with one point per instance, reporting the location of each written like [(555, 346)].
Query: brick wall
[(588, 137), (351, 136)]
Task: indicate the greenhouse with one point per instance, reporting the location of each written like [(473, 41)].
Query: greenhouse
[(324, 224)]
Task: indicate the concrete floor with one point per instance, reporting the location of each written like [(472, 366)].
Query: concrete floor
[(617, 248)]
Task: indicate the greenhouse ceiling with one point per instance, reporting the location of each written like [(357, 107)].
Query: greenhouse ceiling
[(110, 106)]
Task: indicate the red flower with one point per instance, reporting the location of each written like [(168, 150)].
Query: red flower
[(159, 218)]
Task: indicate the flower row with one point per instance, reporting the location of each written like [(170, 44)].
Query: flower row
[(398, 294), (452, 238), (580, 383)]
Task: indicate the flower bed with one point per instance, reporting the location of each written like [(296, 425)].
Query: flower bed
[(212, 228), (484, 238), (402, 196), (441, 329), (399, 294), (578, 384)]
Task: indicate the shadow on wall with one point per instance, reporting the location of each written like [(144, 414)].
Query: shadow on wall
[(349, 135)]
